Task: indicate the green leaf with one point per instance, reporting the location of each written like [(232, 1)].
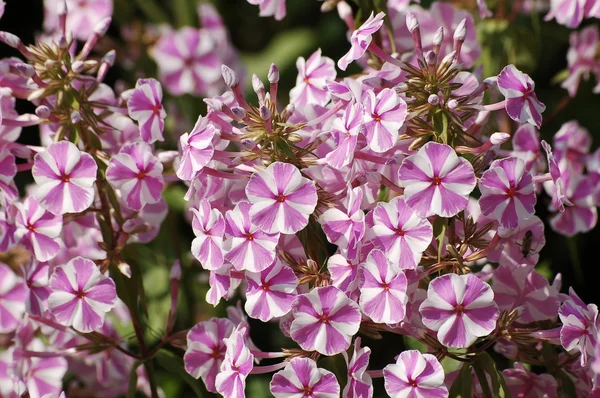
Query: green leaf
[(174, 364), (184, 12), (462, 386), (439, 231), (153, 11), (567, 386), (485, 363), (133, 379), (560, 76)]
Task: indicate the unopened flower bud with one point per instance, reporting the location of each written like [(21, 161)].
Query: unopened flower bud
[(438, 38), (499, 138), (75, 117), (62, 42), (125, 269), (61, 7), (452, 104), (461, 31), (411, 22), (430, 58), (401, 87), (102, 27), (24, 70), (10, 39), (257, 85), (77, 66), (50, 63), (229, 76), (43, 112), (448, 58), (289, 110), (328, 5), (433, 99), (238, 112), (247, 144), (273, 75), (175, 271), (110, 57), (265, 113)]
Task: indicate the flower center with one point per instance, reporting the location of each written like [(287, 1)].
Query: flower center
[(31, 227), (510, 192), (65, 178), (400, 232), (437, 180), (460, 309), (412, 383), (325, 318), (266, 287), (280, 198), (80, 294), (140, 176), (377, 118), (249, 236), (307, 391), (385, 286), (216, 354)]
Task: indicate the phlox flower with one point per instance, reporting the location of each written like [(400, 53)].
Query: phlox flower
[(571, 13), (436, 181), (197, 149), (37, 229), (137, 173), (44, 377), (400, 233), (359, 383), (460, 308), (582, 215), (579, 326), (275, 8), (526, 146), (521, 103), (382, 289), (522, 286), (223, 282), (271, 292), (80, 295), (507, 192), (384, 115), (83, 15), (301, 378), (360, 39), (345, 131), (187, 61), (343, 272), (36, 276), (281, 198), (345, 228), (524, 383), (13, 293), (248, 248), (415, 375), (8, 85), (557, 186), (209, 226), (65, 178), (583, 59), (572, 144), (324, 320), (521, 245), (145, 106), (237, 364), (311, 83), (8, 170), (206, 349)]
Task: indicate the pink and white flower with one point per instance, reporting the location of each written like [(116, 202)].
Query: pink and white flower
[(359, 383), (275, 8), (301, 378), (37, 229), (197, 149), (325, 320), (360, 39), (583, 59), (571, 13), (579, 329), (44, 376), (343, 272), (383, 117), (311, 83), (282, 200), (271, 292), (65, 178), (145, 106), (36, 276), (460, 308), (436, 181), (81, 296), (237, 364), (187, 61), (248, 248), (209, 226), (507, 192), (582, 216), (415, 375), (13, 293), (346, 228), (8, 171), (345, 134), (137, 173), (382, 289), (521, 102), (522, 383), (83, 15), (522, 286), (402, 234), (206, 349)]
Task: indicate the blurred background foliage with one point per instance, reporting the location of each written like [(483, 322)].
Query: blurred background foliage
[(534, 46)]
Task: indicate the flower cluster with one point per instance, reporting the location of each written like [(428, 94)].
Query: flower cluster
[(380, 205)]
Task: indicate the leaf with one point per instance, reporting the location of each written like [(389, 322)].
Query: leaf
[(567, 386), (463, 384), (174, 364), (439, 231), (485, 363), (153, 11), (184, 12)]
